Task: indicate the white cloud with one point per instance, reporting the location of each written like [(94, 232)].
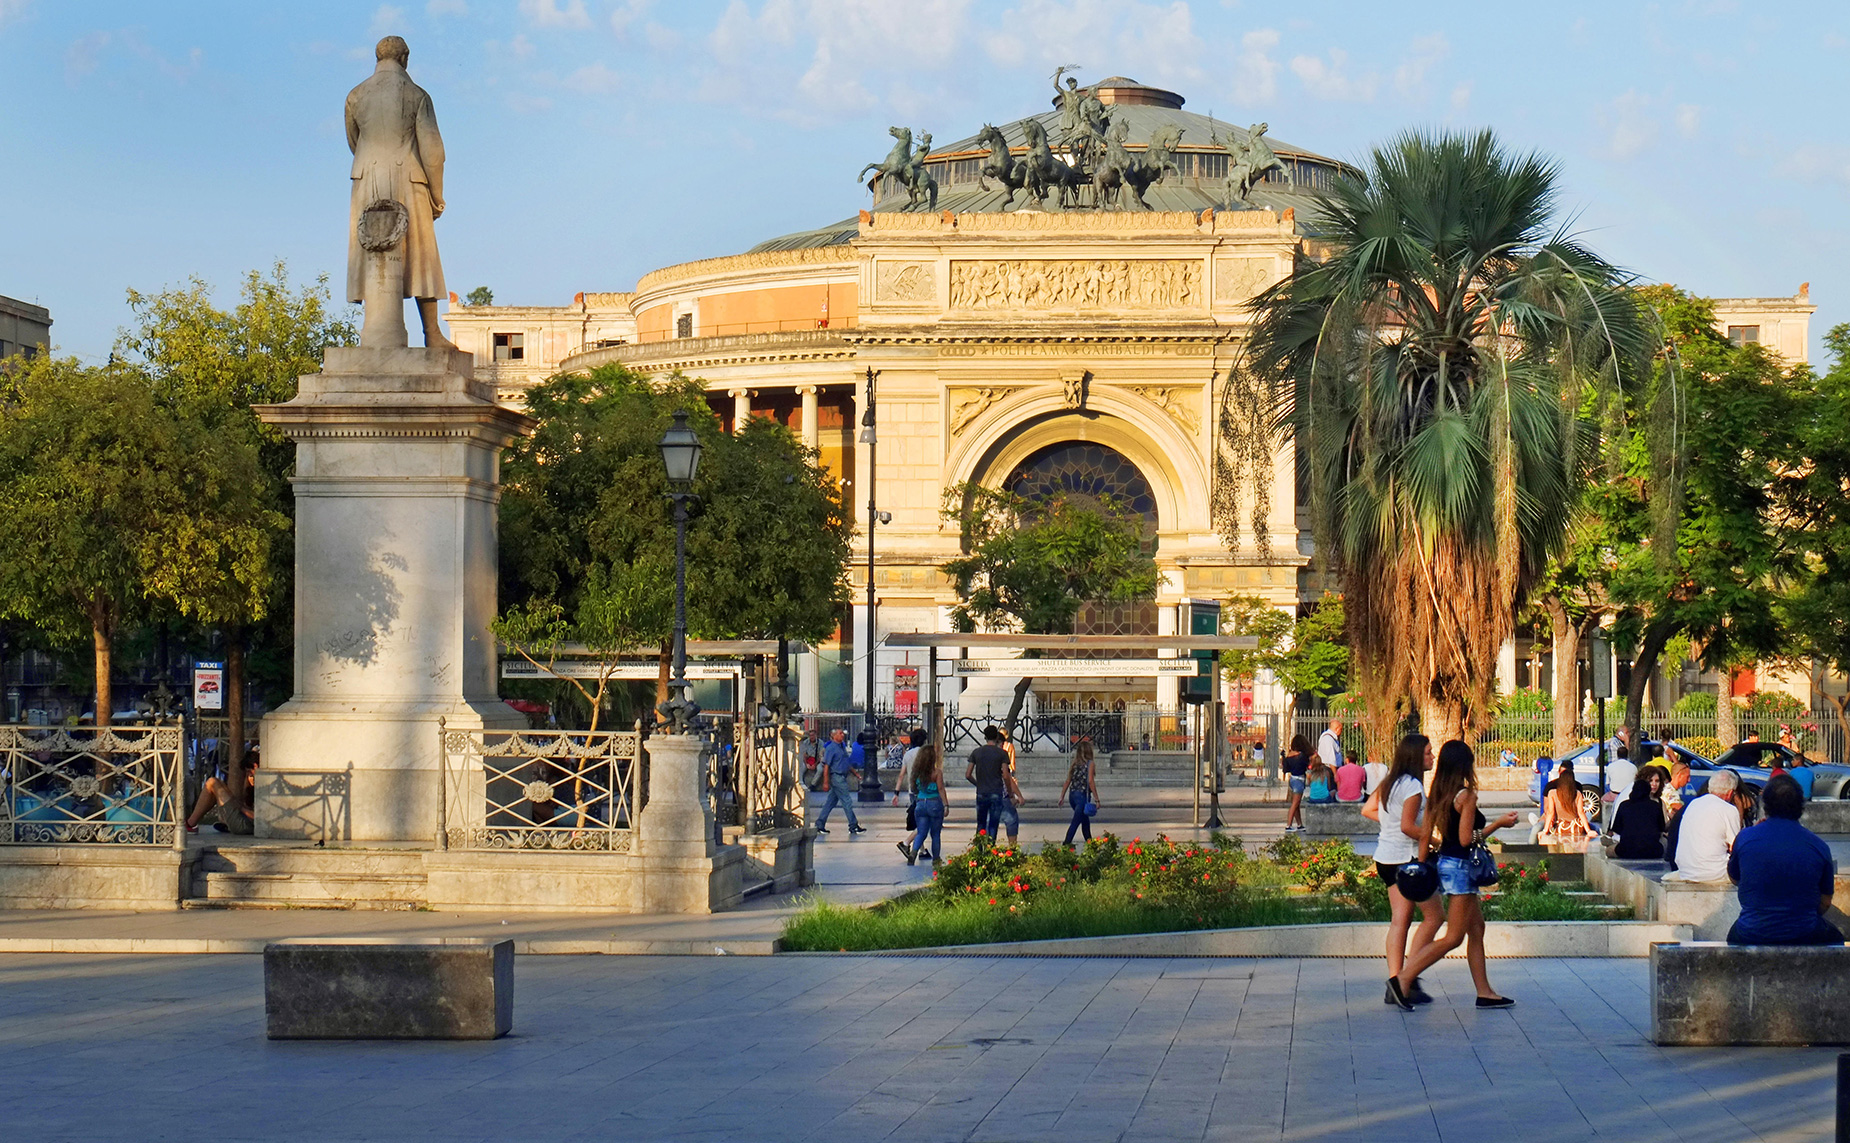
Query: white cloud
[(1426, 53), (446, 8), (1255, 72), (548, 13), (1820, 162), (1331, 80), (520, 47), (1689, 120), (627, 12), (524, 104), (1151, 42), (81, 58), (387, 20), (593, 79), (1632, 126), (1461, 96), (11, 10)]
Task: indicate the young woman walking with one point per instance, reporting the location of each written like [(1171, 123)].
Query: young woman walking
[(1295, 764), (1078, 790), (1452, 815), (927, 784), (1399, 804)]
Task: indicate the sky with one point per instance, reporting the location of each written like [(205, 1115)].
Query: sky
[(590, 141)]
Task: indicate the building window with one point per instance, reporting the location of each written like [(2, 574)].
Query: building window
[(1088, 473), (1744, 334), (684, 325), (510, 347)]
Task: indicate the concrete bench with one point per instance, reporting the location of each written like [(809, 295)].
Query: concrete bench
[(1707, 993), (1337, 819), (389, 988)]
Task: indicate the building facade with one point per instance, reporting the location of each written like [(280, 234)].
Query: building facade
[(24, 328)]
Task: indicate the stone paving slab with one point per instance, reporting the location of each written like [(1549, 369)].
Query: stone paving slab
[(908, 1049)]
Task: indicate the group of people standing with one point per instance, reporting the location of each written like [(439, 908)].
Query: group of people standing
[(1325, 776), (999, 797)]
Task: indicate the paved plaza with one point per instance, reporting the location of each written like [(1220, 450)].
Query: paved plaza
[(914, 1049)]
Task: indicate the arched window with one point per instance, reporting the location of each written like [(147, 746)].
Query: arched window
[(1081, 470)]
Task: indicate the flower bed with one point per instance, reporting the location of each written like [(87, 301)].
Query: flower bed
[(992, 893)]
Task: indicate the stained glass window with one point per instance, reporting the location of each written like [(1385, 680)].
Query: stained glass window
[(1084, 471)]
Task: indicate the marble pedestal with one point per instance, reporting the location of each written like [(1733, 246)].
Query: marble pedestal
[(679, 867), (397, 483)]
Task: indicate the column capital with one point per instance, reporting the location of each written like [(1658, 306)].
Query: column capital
[(736, 394), (809, 390)]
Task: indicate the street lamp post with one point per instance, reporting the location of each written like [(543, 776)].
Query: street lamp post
[(870, 734), (681, 457)]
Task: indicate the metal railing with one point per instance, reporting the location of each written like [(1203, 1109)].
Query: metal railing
[(539, 789), (92, 785)]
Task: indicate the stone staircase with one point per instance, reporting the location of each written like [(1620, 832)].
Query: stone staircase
[(1123, 770), (295, 876)]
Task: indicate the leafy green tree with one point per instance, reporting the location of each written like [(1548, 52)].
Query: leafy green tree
[(587, 538), (213, 365), (112, 503), (1434, 366), (1029, 566), (480, 296), (1306, 654), (1815, 500)]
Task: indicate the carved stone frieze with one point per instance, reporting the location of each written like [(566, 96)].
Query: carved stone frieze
[(1076, 284), (905, 282), (1067, 349), (1238, 279), (1177, 401), (969, 404)]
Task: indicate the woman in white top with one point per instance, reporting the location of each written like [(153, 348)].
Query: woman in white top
[(1399, 804)]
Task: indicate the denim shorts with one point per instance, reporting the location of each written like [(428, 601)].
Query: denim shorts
[(1009, 816), (1297, 785), (1455, 877)]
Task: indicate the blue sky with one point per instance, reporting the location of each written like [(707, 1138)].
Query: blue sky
[(593, 140)]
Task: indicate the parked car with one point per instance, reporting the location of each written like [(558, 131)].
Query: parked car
[(1754, 762), (1586, 767)]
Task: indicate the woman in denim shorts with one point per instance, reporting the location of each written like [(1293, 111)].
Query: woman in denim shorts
[(1452, 814), (1295, 764)]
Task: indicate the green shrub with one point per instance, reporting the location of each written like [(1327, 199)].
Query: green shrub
[(1695, 704), (1774, 704), (1527, 701)]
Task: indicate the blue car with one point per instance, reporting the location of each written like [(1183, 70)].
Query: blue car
[(1754, 762), (1586, 766)]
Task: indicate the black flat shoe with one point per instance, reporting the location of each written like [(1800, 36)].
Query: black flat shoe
[(1397, 997), (1418, 993), (1495, 1002)]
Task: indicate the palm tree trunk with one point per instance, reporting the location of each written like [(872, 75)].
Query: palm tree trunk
[(1567, 674)]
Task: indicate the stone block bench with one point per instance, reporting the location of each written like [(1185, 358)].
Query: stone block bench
[(1337, 819), (1707, 993), (389, 988)]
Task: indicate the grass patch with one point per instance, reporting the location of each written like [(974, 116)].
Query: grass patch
[(991, 894)]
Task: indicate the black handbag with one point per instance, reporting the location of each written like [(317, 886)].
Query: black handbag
[(1483, 866)]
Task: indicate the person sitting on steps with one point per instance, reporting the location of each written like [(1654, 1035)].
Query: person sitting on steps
[(216, 796)]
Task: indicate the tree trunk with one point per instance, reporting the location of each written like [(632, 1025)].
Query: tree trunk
[(1725, 729), (1843, 716), (1442, 721), (99, 637), (234, 717), (1644, 664), (1567, 675), (1021, 695)]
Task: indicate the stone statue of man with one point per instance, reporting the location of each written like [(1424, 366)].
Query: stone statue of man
[(397, 157)]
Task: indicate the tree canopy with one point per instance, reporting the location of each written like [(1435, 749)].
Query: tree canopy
[(1434, 368)]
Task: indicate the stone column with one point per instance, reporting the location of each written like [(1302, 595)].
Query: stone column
[(1168, 687), (809, 681), (741, 408), (1506, 667), (812, 416), (396, 486), (679, 868)]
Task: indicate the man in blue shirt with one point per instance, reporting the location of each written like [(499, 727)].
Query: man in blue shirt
[(1786, 875), (844, 782)]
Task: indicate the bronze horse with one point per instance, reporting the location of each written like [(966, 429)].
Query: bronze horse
[(1001, 166)]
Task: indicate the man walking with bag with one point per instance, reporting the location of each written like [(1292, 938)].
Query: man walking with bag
[(844, 781)]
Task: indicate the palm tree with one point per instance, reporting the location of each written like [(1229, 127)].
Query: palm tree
[(1444, 365)]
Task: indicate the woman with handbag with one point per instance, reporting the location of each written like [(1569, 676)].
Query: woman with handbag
[(1465, 865), (1078, 790), (1399, 804)]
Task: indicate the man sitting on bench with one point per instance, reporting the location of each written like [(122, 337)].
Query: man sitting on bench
[(1786, 875)]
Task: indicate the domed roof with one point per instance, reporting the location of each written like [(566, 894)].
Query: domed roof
[(1201, 157)]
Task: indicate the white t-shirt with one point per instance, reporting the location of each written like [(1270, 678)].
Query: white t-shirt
[(1709, 825), (1330, 750), (905, 768), (1620, 774), (1394, 846), (1375, 771)]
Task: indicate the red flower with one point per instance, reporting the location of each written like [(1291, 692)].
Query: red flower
[(992, 900)]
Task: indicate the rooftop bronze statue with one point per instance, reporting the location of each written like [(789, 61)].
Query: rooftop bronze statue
[(1248, 163), (397, 195), (906, 168)]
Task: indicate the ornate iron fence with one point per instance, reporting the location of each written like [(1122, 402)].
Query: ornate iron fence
[(94, 785), (771, 780), (540, 789)]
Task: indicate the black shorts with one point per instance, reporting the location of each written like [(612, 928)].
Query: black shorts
[(1386, 873)]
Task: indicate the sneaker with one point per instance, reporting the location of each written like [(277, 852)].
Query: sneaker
[(822, 829), (905, 851), (857, 829)]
